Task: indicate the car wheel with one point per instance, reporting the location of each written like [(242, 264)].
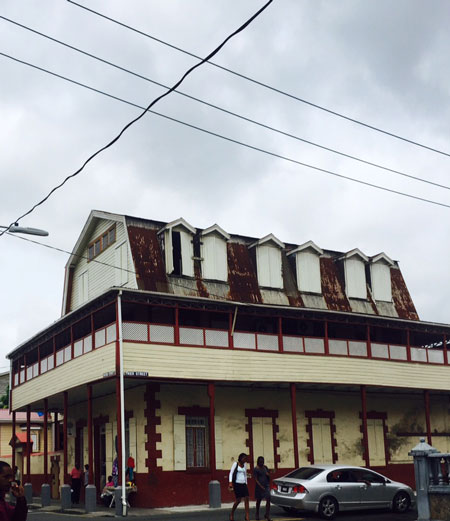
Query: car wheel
[(401, 502), (328, 507)]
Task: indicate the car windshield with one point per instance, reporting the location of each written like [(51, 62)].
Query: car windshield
[(304, 473)]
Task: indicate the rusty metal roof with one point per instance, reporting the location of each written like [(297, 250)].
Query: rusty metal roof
[(242, 285)]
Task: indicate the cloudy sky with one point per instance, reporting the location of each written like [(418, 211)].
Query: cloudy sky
[(385, 63)]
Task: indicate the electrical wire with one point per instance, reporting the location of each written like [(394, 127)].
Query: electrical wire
[(156, 100), (226, 111), (265, 85), (232, 140)]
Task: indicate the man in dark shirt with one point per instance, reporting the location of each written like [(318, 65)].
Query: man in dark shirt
[(7, 484)]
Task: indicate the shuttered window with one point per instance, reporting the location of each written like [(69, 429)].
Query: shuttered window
[(268, 260), (197, 442)]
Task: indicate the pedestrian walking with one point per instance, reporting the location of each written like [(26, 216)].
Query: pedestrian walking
[(262, 486), (75, 474), (7, 484), (237, 482)]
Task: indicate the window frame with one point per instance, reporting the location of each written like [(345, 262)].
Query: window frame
[(205, 450), (111, 238)]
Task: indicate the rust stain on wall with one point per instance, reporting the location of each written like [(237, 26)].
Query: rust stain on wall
[(332, 286), (241, 275), (201, 288), (147, 258), (400, 295), (372, 302)]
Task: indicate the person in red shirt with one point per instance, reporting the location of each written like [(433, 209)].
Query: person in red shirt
[(76, 483), (7, 484)]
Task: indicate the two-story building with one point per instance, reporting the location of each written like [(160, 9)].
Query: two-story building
[(231, 344)]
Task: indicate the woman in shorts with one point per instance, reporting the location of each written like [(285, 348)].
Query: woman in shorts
[(238, 482)]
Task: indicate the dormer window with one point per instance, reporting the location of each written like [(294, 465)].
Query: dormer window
[(355, 274), (307, 262), (268, 262), (178, 248), (214, 253), (380, 277)]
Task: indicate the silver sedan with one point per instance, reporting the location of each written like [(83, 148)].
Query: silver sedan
[(328, 489)]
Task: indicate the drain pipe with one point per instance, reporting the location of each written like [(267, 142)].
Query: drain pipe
[(122, 405)]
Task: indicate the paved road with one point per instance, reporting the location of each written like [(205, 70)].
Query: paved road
[(221, 515)]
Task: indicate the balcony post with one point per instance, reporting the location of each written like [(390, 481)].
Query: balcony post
[(45, 440), (327, 345), (66, 411), (364, 425), (29, 445), (230, 329), (408, 346), (212, 430), (294, 422), (177, 325), (280, 334), (426, 396), (369, 345), (445, 350)]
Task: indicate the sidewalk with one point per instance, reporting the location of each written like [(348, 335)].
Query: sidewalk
[(200, 510)]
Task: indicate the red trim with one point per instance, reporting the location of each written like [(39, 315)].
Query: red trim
[(294, 423), (66, 410), (152, 404), (369, 344), (365, 440), (212, 429), (29, 444), (13, 440), (426, 396), (408, 346), (262, 413), (45, 440), (444, 347), (119, 429), (230, 326), (177, 325), (194, 410), (326, 343), (90, 444), (320, 413), (280, 334)]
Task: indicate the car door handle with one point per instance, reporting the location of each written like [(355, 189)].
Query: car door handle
[(364, 487), (338, 487)]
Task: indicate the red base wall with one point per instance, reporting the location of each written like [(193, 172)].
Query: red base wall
[(177, 488)]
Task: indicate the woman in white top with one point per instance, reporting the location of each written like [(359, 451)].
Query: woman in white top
[(238, 482)]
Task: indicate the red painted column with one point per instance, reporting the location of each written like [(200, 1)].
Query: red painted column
[(29, 446), (212, 430), (66, 411), (364, 425), (45, 440), (230, 327), (369, 344), (444, 346), (426, 396), (90, 437), (177, 326), (119, 430), (327, 345), (280, 334), (13, 459), (294, 423), (408, 346)]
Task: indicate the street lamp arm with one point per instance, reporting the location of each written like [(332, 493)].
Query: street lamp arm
[(28, 231)]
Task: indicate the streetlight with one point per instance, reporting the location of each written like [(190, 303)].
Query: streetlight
[(29, 231)]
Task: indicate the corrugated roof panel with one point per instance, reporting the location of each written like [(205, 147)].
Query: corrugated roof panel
[(332, 286), (400, 295), (242, 275), (147, 258)]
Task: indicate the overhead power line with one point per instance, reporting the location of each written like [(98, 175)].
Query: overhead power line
[(132, 122), (229, 139), (226, 111), (265, 85)]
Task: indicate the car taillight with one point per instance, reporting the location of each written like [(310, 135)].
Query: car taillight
[(274, 486), (299, 489)]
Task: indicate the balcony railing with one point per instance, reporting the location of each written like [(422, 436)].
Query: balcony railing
[(168, 334)]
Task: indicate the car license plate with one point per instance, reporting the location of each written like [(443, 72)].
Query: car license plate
[(284, 489)]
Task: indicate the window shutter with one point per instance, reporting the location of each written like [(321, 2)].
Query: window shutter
[(179, 442), (109, 448), (168, 249), (268, 454), (133, 440), (186, 254), (218, 441)]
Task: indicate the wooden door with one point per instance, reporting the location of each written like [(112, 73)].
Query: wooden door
[(321, 437)]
